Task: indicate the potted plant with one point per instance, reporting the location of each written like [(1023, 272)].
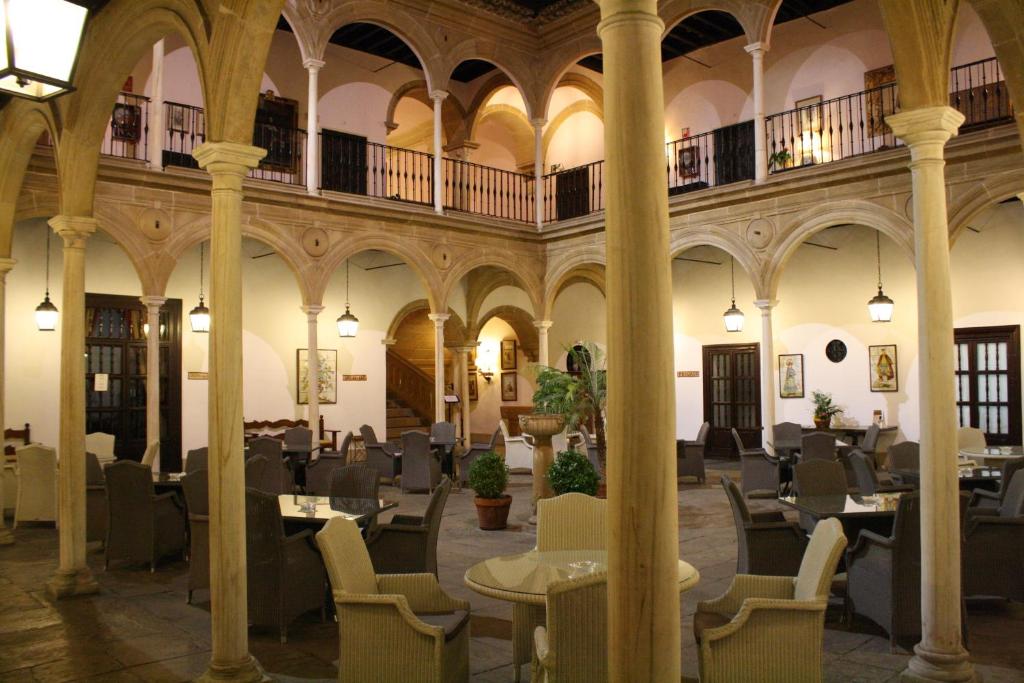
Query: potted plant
[(581, 396), (572, 473), (824, 409), (488, 477), (778, 160)]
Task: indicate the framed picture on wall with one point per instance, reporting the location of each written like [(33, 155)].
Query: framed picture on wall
[(882, 368), (791, 375), (328, 380), (509, 386), (473, 391), (689, 161), (508, 354)]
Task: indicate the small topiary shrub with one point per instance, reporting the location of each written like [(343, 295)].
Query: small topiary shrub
[(488, 475), (571, 472)]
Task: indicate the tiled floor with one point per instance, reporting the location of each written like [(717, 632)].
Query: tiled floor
[(139, 627)]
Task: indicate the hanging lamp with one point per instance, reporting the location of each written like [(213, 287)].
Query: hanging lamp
[(46, 312), (199, 316), (348, 324), (880, 307), (39, 41), (733, 316)]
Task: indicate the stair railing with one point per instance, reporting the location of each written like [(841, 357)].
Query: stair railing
[(410, 385)]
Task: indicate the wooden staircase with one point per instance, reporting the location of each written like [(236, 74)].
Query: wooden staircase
[(401, 418)]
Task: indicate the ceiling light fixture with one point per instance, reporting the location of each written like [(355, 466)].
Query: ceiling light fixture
[(46, 312), (733, 316), (348, 324), (39, 48), (880, 307), (199, 316)]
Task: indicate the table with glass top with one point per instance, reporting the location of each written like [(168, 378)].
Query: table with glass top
[(317, 510), (992, 455), (875, 513), (523, 580)]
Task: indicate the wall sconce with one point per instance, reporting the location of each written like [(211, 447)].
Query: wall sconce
[(486, 359)]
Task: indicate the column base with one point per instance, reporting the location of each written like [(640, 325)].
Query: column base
[(68, 584), (929, 667), (247, 671)]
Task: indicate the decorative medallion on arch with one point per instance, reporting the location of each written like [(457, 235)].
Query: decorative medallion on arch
[(315, 241), (760, 233), (156, 225)]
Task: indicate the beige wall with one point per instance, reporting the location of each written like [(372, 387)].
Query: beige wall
[(487, 410)]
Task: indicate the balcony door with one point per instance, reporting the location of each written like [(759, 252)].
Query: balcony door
[(343, 162), (732, 396), (734, 153), (572, 193), (988, 389)]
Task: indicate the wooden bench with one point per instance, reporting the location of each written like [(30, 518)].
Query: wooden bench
[(15, 434), (267, 428)]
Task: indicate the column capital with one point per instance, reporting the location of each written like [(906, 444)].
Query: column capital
[(1020, 196), (463, 347), (389, 341), (74, 229), (439, 318), (6, 264), (312, 310), (926, 128), (538, 122), (766, 305), (313, 64), (615, 12), (438, 95), (756, 49), (153, 301), (228, 158), (543, 324)]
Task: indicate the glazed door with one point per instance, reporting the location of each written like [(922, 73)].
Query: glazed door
[(116, 367), (732, 396), (343, 162), (988, 390)]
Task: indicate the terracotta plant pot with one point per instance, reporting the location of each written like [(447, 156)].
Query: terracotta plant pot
[(822, 424), (492, 513)]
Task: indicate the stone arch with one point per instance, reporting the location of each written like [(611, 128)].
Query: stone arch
[(126, 233), (22, 123), (453, 115), (981, 196), (556, 71), (455, 330), (524, 280), (575, 108), (750, 14), (587, 86), (480, 99), (730, 243), (520, 321), (518, 72), (814, 220), (303, 30), (520, 132), (591, 272)]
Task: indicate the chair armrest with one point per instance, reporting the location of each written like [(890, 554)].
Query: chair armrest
[(766, 517), (295, 538), (422, 592), (525, 438), (977, 495), (745, 587), (752, 605), (868, 538), (406, 520), (784, 524), (543, 647), (978, 523), (398, 603), (171, 496)]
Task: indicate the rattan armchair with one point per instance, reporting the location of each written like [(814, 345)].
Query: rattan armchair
[(573, 646), (197, 459), (759, 472), (994, 546), (391, 627), (817, 446), (95, 500), (320, 473), (285, 574), (102, 445), (868, 481), (472, 453), (770, 629), (518, 451), (421, 470), (983, 498), (141, 525), (380, 456), (690, 455), (277, 478), (255, 466), (590, 442), (970, 437), (196, 487), (358, 480), (766, 542), (408, 544), (36, 473), (572, 521)]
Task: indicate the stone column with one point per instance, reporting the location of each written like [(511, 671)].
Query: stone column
[(767, 368), (73, 576), (940, 655), (438, 97), (313, 370), (538, 170), (6, 538), (439, 320), (313, 67), (757, 51), (643, 532), (227, 163), (157, 125), (153, 304), (542, 340), (463, 385)]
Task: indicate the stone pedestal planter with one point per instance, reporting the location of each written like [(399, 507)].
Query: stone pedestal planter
[(541, 428)]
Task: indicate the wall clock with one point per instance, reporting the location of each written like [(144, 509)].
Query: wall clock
[(835, 351)]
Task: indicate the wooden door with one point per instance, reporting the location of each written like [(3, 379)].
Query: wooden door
[(732, 396), (343, 162), (115, 343), (734, 153), (572, 193), (988, 389)]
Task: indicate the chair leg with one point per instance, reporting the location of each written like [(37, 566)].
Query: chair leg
[(188, 600)]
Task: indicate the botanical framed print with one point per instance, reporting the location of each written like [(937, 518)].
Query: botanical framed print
[(882, 368), (509, 386), (791, 375), (328, 380), (473, 390), (508, 354)]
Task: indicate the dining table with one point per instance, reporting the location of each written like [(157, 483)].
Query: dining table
[(523, 580), (167, 481), (855, 512), (315, 511), (970, 478), (992, 454)]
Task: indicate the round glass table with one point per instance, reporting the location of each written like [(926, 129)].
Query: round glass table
[(992, 454), (523, 580)]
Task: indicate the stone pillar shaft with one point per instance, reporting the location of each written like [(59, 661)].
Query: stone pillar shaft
[(940, 654), (542, 341), (538, 171), (313, 370), (757, 51), (153, 304), (439, 320), (313, 67), (157, 125), (463, 388), (438, 97), (227, 163), (5, 266), (643, 533), (767, 367), (73, 576)]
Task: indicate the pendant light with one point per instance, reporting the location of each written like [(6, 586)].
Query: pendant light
[(734, 316), (880, 307), (348, 324), (46, 312), (200, 315), (39, 41)]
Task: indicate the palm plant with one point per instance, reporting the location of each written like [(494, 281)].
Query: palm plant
[(581, 396)]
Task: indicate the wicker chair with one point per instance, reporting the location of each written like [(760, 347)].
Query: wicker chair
[(36, 472), (690, 455), (197, 459), (380, 456), (817, 446), (277, 478), (818, 478), (255, 466), (149, 456), (884, 573), (285, 574), (300, 437), (95, 500), (141, 526), (408, 544), (905, 455), (472, 453), (869, 443), (766, 542), (786, 431), (868, 481), (421, 470), (346, 444), (573, 647), (983, 498), (970, 437), (591, 444), (518, 451), (442, 432), (102, 445), (994, 546), (320, 473), (572, 521), (391, 627), (759, 472), (354, 481), (770, 629), (196, 487)]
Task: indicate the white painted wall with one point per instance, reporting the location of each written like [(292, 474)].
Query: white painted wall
[(486, 411)]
